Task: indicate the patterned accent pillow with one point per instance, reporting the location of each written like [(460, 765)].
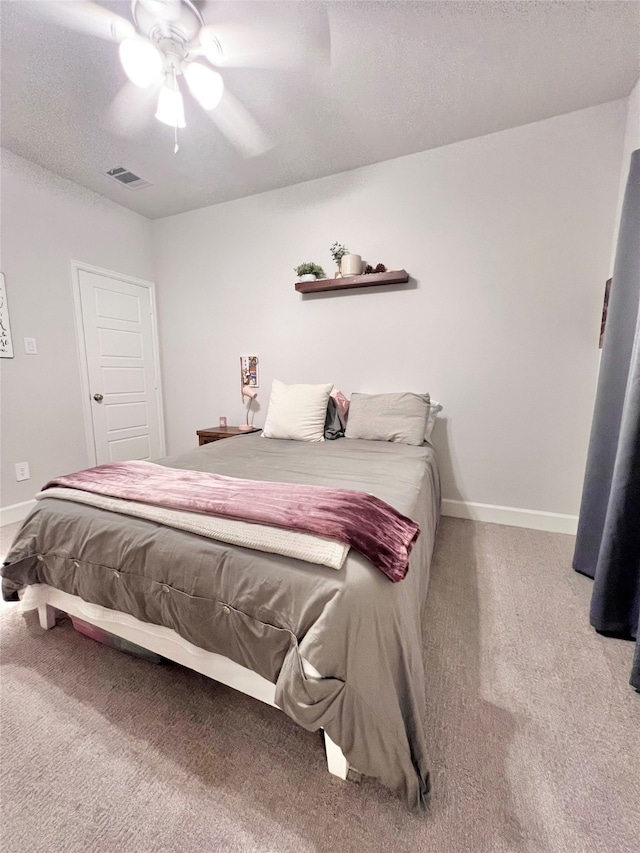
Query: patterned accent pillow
[(334, 424), (336, 420)]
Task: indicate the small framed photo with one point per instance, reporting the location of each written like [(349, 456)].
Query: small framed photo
[(249, 371), (605, 308), (6, 345)]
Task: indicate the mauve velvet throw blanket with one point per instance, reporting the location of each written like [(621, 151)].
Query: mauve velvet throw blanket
[(368, 524)]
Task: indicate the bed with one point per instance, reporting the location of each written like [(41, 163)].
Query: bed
[(335, 650)]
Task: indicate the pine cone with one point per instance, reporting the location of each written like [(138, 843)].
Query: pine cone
[(368, 269), (381, 268)]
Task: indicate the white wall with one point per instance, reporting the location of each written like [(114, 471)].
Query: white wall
[(508, 240), (632, 129), (46, 221), (631, 144)]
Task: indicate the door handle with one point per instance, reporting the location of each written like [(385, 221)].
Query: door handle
[(98, 398)]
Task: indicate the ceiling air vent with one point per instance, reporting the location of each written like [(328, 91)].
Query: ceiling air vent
[(124, 176)]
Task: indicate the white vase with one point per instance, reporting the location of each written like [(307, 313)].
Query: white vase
[(308, 277), (351, 265)]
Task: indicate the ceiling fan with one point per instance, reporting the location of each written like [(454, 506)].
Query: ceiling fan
[(166, 40)]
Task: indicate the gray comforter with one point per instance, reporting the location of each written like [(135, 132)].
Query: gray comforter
[(267, 612)]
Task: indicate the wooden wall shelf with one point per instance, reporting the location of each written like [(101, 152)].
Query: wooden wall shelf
[(349, 281)]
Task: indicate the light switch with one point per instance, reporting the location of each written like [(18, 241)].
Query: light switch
[(30, 346)]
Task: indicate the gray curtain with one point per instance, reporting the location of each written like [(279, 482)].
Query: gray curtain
[(608, 540)]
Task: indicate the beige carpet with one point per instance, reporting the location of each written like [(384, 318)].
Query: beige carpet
[(535, 733)]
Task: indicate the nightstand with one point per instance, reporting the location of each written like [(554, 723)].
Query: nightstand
[(206, 436)]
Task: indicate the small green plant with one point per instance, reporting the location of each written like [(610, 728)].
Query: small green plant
[(309, 268), (338, 251)]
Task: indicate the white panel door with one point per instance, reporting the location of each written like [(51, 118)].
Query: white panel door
[(117, 322)]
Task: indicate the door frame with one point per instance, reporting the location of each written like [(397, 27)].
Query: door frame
[(76, 268)]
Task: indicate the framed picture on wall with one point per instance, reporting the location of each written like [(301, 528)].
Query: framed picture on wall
[(6, 345), (249, 370), (605, 306)]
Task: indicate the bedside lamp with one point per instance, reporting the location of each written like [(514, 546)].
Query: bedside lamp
[(248, 391)]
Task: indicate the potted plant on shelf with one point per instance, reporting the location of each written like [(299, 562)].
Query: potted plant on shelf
[(338, 251), (309, 271)]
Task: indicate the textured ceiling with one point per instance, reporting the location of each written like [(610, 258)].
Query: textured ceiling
[(403, 77)]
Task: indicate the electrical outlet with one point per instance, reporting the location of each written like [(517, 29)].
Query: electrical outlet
[(30, 346), (22, 471)]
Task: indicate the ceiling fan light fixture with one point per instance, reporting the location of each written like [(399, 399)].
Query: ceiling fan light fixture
[(170, 104), (142, 61), (205, 84)]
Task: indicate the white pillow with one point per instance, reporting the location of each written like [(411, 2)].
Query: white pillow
[(297, 412), (434, 409)]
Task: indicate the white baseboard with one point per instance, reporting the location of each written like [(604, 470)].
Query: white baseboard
[(15, 512), (556, 522)]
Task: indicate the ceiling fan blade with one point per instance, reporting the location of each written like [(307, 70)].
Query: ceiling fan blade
[(85, 17), (238, 125), (266, 35), (130, 113)]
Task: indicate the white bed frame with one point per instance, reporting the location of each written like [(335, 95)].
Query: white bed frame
[(169, 644)]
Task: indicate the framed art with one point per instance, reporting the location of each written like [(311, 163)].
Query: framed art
[(249, 371), (605, 307), (6, 344)]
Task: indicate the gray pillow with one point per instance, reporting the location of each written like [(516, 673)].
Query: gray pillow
[(388, 417)]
